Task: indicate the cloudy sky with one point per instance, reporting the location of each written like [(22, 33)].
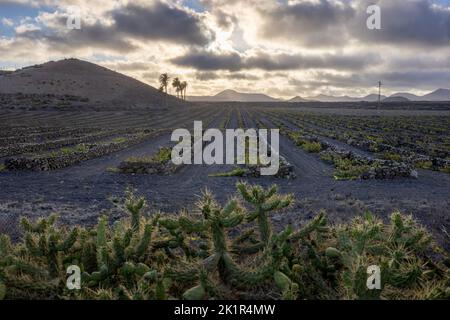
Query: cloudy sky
[(283, 48)]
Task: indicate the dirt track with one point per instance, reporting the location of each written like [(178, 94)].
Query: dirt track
[(81, 192)]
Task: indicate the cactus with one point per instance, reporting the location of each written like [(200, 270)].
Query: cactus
[(134, 206), (286, 285), (282, 281), (333, 253), (2, 291), (398, 249), (38, 264), (195, 293), (217, 220), (192, 256), (264, 202), (44, 241), (129, 241)]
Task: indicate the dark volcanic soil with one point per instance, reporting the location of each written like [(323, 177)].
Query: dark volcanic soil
[(81, 193)]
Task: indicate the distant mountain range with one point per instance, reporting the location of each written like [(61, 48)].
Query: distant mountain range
[(409, 96), (438, 95), (325, 98), (297, 99), (232, 95), (396, 99)]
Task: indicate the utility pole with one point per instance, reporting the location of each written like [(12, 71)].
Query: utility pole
[(379, 94)]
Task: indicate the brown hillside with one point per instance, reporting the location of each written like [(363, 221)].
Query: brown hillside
[(97, 85)]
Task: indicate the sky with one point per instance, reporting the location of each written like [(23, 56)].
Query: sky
[(283, 48)]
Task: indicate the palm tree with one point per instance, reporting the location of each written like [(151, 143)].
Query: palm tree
[(176, 84), (183, 87), (164, 81)]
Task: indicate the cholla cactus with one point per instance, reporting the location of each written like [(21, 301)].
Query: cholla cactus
[(44, 241), (205, 289), (306, 263), (217, 221), (37, 266), (129, 259), (264, 202), (5, 249), (286, 285), (399, 249), (179, 231), (134, 206), (191, 256), (122, 251)]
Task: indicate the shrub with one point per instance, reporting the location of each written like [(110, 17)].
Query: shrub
[(426, 165), (312, 147), (164, 155), (120, 140), (237, 172), (298, 139), (392, 156), (80, 148), (328, 156), (68, 151), (346, 169), (445, 169), (307, 144), (141, 159), (112, 170)]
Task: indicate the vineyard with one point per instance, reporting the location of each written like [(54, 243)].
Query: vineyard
[(359, 182)]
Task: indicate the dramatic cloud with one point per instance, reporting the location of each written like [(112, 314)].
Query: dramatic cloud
[(326, 23), (414, 22), (208, 76), (318, 23), (273, 62), (92, 36), (161, 22), (279, 47), (428, 80), (210, 61)]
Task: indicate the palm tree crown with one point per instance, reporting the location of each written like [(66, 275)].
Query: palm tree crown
[(183, 87), (164, 81), (176, 84)]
